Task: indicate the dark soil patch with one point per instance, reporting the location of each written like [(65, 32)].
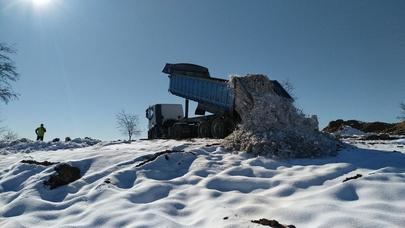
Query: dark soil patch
[(65, 174), (272, 223), (158, 154), (379, 137), (33, 162), (352, 178), (213, 144)]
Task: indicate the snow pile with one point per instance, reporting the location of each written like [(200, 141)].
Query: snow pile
[(27, 146), (347, 131), (272, 126)]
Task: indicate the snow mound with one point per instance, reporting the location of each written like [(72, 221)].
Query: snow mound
[(272, 126), (346, 131), (27, 146), (199, 185)]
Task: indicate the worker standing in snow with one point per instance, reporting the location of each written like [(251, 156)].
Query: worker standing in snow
[(40, 132)]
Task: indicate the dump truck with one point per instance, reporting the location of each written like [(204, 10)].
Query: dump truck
[(213, 95)]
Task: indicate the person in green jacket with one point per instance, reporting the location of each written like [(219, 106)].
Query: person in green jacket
[(40, 132)]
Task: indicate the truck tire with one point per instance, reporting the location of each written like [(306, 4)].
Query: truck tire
[(181, 131), (218, 130), (222, 127), (173, 132), (204, 129), (230, 126), (165, 128), (152, 133)]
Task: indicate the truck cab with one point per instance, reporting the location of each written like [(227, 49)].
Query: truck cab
[(162, 116)]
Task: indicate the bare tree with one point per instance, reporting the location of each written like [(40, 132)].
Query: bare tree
[(128, 124), (10, 136), (8, 74), (402, 116), (2, 129)]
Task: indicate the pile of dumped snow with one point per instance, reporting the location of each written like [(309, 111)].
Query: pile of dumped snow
[(272, 126), (26, 146)]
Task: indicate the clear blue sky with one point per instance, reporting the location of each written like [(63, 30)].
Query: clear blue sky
[(83, 61)]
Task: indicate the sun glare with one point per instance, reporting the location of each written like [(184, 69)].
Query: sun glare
[(41, 2)]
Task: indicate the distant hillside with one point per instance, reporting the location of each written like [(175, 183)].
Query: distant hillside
[(397, 129), (368, 127)]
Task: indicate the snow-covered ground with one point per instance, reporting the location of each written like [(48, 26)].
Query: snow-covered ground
[(204, 186), (28, 146), (349, 131), (386, 145)]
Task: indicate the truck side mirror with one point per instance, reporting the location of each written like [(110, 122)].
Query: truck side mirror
[(149, 113)]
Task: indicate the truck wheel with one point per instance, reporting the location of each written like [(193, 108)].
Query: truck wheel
[(165, 128), (204, 130), (180, 131), (152, 133), (173, 132), (218, 130), (230, 126)]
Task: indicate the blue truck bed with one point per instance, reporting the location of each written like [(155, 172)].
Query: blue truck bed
[(212, 93), (194, 82)]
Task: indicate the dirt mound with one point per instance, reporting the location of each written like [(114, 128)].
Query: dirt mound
[(397, 129), (376, 127), (271, 125), (65, 174), (367, 127)]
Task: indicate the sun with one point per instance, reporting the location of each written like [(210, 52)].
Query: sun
[(41, 2)]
